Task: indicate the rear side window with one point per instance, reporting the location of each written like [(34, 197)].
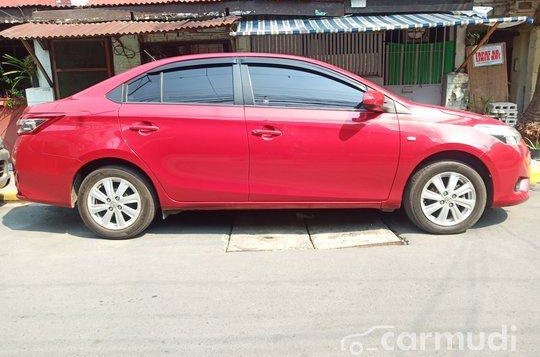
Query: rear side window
[(145, 89), (297, 87), (201, 84)]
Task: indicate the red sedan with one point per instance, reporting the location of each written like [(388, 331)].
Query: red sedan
[(255, 131)]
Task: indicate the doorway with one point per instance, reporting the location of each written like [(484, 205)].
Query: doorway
[(80, 63)]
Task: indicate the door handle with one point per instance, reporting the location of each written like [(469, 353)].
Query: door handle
[(266, 132), (143, 128)]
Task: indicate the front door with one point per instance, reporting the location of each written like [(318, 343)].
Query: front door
[(310, 140), (184, 123)]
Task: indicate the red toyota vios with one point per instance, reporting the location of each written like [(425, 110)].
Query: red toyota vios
[(252, 131)]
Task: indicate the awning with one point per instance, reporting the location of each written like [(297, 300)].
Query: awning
[(365, 23), (111, 28)]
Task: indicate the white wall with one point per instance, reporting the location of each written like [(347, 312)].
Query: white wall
[(44, 93), (45, 59)]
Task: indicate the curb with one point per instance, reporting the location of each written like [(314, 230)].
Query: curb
[(8, 196), (535, 172), (9, 193)]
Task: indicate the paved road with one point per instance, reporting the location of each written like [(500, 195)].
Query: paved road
[(174, 291)]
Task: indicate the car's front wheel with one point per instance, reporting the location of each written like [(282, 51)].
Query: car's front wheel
[(116, 202), (445, 197)]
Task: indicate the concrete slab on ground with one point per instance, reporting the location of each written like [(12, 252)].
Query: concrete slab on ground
[(268, 231), (333, 230)]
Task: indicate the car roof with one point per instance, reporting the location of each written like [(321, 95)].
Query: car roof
[(109, 84)]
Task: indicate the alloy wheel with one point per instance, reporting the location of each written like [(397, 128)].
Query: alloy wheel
[(114, 203), (448, 198)]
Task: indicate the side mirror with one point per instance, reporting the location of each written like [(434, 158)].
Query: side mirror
[(373, 101)]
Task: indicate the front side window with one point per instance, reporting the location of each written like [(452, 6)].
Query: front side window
[(209, 84), (297, 87)]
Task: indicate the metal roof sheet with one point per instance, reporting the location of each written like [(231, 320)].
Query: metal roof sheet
[(366, 23), (29, 31), (22, 3), (138, 2), (84, 3)]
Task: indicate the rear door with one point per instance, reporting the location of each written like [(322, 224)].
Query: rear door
[(186, 121), (310, 139)]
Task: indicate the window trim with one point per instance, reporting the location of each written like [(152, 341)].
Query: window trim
[(247, 86), (209, 62)]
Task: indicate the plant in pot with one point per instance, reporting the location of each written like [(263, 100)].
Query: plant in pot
[(534, 148), (12, 96), (16, 74), (530, 131)]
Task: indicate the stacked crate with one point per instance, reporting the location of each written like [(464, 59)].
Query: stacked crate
[(504, 111)]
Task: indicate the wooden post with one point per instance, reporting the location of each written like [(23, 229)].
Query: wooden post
[(480, 44), (38, 63)]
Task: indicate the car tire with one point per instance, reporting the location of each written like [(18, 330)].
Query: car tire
[(432, 206), (116, 202)]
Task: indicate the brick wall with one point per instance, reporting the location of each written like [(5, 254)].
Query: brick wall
[(8, 124)]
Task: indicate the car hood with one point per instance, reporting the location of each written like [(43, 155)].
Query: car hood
[(451, 116)]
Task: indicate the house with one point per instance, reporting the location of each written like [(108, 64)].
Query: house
[(408, 46)]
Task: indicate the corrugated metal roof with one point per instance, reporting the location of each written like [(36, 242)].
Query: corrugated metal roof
[(45, 31), (22, 3), (138, 2), (82, 3), (365, 23)]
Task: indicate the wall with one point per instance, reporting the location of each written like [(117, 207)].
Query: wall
[(45, 59), (187, 36), (44, 93), (533, 61), (525, 61), (8, 124), (243, 43), (126, 50), (500, 7), (126, 53), (461, 33)]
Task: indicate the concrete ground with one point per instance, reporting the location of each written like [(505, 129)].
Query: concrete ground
[(175, 291)]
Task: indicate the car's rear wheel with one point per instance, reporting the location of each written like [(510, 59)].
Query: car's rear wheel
[(445, 197), (116, 202)]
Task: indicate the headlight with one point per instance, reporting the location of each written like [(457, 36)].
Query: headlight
[(506, 134)]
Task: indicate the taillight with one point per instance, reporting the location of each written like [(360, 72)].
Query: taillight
[(31, 125)]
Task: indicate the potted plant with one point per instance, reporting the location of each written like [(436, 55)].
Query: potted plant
[(16, 74), (534, 148), (21, 70), (12, 96), (531, 135)]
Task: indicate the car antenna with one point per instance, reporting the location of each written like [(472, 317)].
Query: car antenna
[(149, 55)]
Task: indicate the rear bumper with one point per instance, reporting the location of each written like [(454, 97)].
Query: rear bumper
[(4, 168), (510, 174), (41, 177)]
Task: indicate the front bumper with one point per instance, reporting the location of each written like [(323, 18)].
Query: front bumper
[(510, 170), (4, 168)]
